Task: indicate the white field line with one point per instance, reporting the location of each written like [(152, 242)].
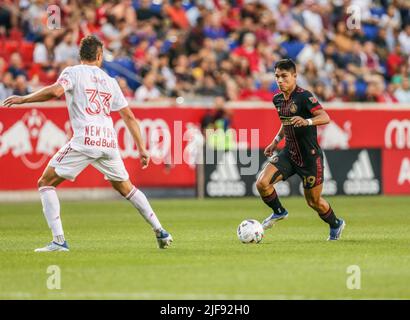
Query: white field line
[(173, 296)]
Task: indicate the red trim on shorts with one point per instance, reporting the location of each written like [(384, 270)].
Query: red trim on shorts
[(66, 151), (319, 171)]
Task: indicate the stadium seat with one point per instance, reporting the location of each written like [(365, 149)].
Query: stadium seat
[(361, 87), (370, 31), (293, 48), (2, 53), (16, 35), (123, 67), (377, 11), (10, 47), (35, 69), (26, 51)]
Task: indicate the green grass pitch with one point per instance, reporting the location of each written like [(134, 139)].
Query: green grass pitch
[(114, 254)]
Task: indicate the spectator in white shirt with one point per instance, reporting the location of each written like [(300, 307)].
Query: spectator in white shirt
[(67, 51), (404, 40), (311, 52), (313, 19), (6, 86), (148, 91), (391, 21), (44, 51), (403, 93)]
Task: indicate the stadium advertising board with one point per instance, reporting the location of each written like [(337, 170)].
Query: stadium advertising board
[(29, 138), (396, 171), (347, 172)]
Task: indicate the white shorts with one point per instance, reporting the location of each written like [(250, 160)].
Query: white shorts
[(69, 163)]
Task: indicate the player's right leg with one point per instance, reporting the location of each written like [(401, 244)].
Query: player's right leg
[(65, 165), (313, 196), (265, 185), (51, 208)]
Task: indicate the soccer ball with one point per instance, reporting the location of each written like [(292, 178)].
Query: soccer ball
[(250, 231)]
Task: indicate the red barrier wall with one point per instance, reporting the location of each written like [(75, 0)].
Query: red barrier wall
[(29, 137)]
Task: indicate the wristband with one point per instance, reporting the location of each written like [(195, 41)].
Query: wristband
[(278, 139), (310, 122)]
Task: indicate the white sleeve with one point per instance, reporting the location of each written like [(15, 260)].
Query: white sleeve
[(119, 100), (66, 79)]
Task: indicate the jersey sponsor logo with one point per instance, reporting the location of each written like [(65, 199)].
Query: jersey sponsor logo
[(332, 136), (33, 139), (286, 121), (397, 134), (404, 174), (361, 178), (226, 180), (293, 108)]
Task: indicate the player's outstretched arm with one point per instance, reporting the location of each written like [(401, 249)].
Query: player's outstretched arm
[(134, 128), (44, 94)]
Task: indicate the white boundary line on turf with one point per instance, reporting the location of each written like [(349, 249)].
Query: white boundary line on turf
[(177, 296), (147, 295)]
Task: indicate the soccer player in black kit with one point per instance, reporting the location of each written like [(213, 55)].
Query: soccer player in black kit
[(300, 113)]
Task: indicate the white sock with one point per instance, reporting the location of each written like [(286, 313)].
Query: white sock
[(140, 201), (51, 210)]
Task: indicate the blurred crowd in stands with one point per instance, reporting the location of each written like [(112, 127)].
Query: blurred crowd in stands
[(159, 49)]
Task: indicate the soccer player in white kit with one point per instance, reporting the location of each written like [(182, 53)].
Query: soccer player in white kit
[(91, 96)]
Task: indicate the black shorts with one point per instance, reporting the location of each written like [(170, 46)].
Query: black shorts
[(311, 173)]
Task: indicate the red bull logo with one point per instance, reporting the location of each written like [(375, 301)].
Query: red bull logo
[(333, 137), (33, 139)]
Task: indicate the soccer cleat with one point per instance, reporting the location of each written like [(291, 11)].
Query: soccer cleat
[(335, 233), (53, 246), (272, 219), (164, 239)]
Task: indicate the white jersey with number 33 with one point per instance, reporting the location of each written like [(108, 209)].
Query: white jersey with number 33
[(91, 96)]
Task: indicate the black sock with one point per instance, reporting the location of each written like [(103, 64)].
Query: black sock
[(273, 202), (330, 218)]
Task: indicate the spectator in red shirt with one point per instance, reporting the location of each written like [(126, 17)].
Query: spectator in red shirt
[(177, 14), (376, 92), (140, 51), (386, 96), (249, 51), (394, 60), (264, 92)]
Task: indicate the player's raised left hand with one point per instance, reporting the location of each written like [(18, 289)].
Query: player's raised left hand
[(299, 122), (13, 100), (144, 158)]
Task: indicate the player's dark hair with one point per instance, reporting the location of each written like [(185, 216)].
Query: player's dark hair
[(286, 64), (89, 48)]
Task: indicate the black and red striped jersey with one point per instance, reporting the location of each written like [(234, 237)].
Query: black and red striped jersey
[(301, 142)]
